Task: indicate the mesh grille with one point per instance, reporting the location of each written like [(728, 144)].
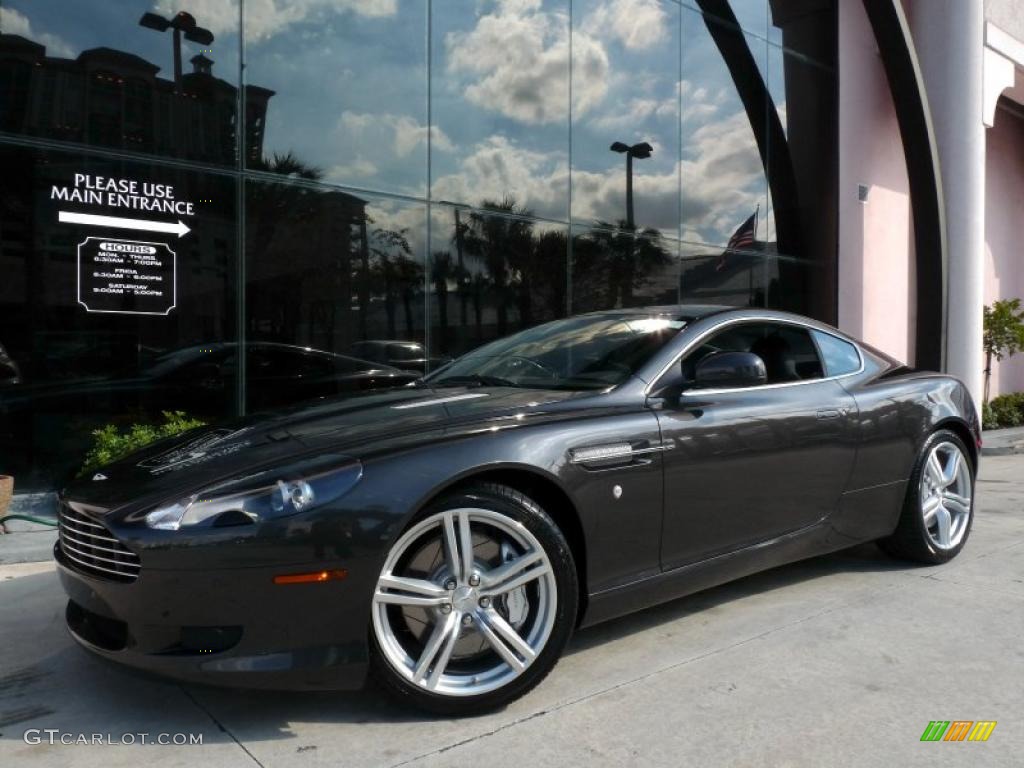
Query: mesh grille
[(92, 549)]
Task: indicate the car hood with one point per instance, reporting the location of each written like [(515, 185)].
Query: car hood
[(355, 427)]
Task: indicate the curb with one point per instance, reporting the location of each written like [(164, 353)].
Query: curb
[(1003, 450)]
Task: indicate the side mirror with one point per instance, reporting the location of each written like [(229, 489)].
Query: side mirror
[(730, 369)]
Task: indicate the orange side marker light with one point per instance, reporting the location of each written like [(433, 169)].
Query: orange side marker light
[(311, 578)]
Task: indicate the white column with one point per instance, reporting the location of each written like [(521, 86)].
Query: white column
[(950, 40)]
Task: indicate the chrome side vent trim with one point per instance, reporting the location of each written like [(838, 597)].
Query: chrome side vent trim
[(615, 454)]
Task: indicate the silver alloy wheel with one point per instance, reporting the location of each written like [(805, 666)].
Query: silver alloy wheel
[(488, 587), (946, 495)]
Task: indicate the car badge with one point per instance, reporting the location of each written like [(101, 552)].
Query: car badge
[(98, 476)]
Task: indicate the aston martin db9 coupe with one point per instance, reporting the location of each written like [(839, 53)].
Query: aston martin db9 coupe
[(447, 537)]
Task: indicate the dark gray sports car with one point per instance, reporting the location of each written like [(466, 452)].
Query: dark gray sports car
[(450, 536)]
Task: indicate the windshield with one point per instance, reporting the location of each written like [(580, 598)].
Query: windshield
[(588, 352)]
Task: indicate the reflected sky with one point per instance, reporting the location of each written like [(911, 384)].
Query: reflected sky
[(512, 117)]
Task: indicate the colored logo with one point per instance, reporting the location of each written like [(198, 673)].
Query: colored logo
[(958, 730)]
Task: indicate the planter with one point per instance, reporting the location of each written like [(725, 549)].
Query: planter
[(6, 492)]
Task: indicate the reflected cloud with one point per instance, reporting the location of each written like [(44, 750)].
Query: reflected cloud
[(407, 133), (14, 23), (499, 166), (264, 18), (519, 54), (637, 24)]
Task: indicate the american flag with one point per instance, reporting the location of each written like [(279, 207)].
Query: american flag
[(743, 237)]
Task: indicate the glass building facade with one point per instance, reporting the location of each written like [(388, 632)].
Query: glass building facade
[(222, 206)]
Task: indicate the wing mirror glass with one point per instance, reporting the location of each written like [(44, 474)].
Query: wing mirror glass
[(730, 369)]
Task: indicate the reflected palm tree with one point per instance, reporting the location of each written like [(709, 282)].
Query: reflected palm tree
[(541, 279), (288, 164), (442, 270), (625, 258), (498, 237), (396, 274)]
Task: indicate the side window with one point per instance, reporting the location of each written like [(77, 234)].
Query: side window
[(787, 350), (840, 356), (789, 354)]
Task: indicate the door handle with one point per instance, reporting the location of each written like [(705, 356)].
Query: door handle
[(831, 413)]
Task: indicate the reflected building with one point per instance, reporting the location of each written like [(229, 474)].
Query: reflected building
[(110, 98)]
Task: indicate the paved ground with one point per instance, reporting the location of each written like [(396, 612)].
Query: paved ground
[(1003, 442), (841, 660)]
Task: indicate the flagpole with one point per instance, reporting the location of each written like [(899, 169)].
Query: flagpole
[(757, 212), (764, 257)]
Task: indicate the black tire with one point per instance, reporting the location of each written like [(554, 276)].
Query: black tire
[(910, 540), (519, 508)]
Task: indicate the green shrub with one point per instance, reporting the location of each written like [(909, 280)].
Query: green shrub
[(110, 444), (988, 417), (1008, 410)]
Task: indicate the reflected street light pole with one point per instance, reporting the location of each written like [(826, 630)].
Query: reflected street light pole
[(182, 22), (639, 151)]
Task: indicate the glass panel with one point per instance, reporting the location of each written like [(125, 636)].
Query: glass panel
[(338, 92), (107, 324), (615, 267), (712, 274), (501, 104), (492, 272), (122, 75), (630, 135), (723, 114), (326, 270), (840, 356)]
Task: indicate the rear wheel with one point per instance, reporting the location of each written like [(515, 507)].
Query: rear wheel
[(474, 604), (939, 508)]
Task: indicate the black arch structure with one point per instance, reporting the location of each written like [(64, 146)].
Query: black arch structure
[(903, 71)]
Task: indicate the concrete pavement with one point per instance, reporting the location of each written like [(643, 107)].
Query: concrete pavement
[(1003, 442), (840, 660)]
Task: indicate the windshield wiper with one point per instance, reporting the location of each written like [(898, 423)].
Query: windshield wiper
[(472, 380)]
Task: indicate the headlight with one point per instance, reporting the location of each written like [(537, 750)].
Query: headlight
[(265, 496)]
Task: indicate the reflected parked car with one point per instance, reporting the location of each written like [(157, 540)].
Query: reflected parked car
[(49, 424), (407, 355), (275, 374)]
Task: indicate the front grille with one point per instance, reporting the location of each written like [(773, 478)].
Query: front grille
[(92, 549)]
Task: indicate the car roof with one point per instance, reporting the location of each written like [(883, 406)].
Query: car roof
[(688, 312), (388, 341)]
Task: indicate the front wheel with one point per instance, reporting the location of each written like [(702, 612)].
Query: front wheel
[(474, 604), (939, 508)]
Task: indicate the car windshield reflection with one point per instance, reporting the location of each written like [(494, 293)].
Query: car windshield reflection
[(592, 352)]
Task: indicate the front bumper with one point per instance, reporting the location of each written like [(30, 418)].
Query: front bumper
[(231, 627)]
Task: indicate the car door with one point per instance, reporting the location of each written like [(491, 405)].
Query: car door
[(750, 464)]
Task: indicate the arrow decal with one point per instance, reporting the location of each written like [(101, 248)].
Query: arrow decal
[(68, 217)]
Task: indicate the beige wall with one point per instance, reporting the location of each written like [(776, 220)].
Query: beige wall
[(1004, 229), (875, 238)]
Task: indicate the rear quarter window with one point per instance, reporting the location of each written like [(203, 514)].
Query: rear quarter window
[(840, 357)]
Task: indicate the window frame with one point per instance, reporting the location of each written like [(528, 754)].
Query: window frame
[(658, 381)]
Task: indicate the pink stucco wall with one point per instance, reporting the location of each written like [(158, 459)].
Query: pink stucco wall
[(875, 239), (1004, 230)]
